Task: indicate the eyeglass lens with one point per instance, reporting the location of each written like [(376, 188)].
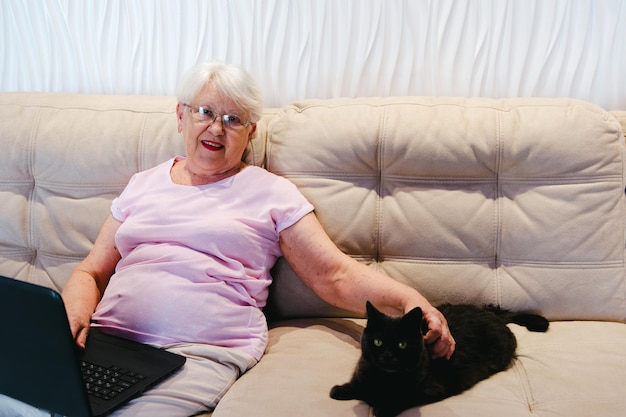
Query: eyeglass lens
[(206, 115)]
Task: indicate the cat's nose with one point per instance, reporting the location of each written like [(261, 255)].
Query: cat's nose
[(388, 359)]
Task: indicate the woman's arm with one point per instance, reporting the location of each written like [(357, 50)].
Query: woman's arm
[(87, 282), (346, 283)]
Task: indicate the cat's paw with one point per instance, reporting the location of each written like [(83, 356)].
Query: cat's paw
[(342, 392), (385, 412), (377, 412)]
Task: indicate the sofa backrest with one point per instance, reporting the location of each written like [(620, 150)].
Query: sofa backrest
[(64, 158), (517, 202)]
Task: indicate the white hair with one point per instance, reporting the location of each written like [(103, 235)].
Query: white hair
[(230, 81)]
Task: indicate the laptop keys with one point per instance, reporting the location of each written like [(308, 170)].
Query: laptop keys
[(106, 383)]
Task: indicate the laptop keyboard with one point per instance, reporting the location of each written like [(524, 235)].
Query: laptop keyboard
[(107, 383)]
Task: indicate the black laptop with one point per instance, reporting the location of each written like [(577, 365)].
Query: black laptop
[(41, 365)]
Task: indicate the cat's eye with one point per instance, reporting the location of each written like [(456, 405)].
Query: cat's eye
[(378, 342), (402, 345)]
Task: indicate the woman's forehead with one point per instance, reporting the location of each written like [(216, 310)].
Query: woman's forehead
[(211, 97)]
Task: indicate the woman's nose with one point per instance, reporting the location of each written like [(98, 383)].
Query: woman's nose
[(216, 127)]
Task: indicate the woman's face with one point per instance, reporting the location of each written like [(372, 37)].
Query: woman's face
[(212, 148)]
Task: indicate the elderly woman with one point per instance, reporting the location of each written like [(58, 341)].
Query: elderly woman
[(183, 260)]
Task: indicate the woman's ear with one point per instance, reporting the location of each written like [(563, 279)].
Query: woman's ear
[(180, 111), (252, 131)]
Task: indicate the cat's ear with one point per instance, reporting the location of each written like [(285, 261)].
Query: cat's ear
[(413, 318), (372, 312)]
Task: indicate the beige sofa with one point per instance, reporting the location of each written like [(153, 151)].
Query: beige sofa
[(518, 202)]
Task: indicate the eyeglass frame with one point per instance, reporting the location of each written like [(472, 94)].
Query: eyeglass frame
[(223, 117)]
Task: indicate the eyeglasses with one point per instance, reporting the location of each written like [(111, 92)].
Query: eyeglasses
[(205, 115)]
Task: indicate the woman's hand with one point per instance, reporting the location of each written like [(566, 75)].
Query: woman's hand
[(80, 296), (87, 282), (438, 339), (79, 318)]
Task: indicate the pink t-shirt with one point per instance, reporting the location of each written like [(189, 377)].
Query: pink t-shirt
[(196, 259)]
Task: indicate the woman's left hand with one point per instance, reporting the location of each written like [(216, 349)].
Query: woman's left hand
[(438, 339)]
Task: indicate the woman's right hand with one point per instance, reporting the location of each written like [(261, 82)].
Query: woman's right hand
[(87, 282), (79, 319)]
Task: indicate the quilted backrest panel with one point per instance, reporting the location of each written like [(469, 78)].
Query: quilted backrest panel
[(64, 158), (517, 202)]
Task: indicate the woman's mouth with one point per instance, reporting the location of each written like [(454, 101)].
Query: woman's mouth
[(211, 146)]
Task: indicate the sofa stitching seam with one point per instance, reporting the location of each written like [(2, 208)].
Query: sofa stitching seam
[(497, 208), (30, 218), (379, 203)]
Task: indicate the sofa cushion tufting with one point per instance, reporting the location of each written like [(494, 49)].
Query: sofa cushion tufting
[(513, 202), (65, 157)]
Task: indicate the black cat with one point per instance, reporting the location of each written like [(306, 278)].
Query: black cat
[(395, 371)]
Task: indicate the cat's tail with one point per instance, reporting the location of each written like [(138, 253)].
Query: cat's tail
[(533, 322)]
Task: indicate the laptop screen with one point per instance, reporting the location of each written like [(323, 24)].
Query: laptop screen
[(37, 353)]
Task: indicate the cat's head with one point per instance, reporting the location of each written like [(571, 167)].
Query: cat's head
[(394, 344)]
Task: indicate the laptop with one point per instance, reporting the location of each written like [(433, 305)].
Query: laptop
[(41, 365)]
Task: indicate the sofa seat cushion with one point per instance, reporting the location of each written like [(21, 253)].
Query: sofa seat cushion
[(572, 370)]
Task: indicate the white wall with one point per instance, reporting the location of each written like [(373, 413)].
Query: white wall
[(321, 48)]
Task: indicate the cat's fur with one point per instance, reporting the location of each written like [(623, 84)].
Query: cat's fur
[(395, 371)]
